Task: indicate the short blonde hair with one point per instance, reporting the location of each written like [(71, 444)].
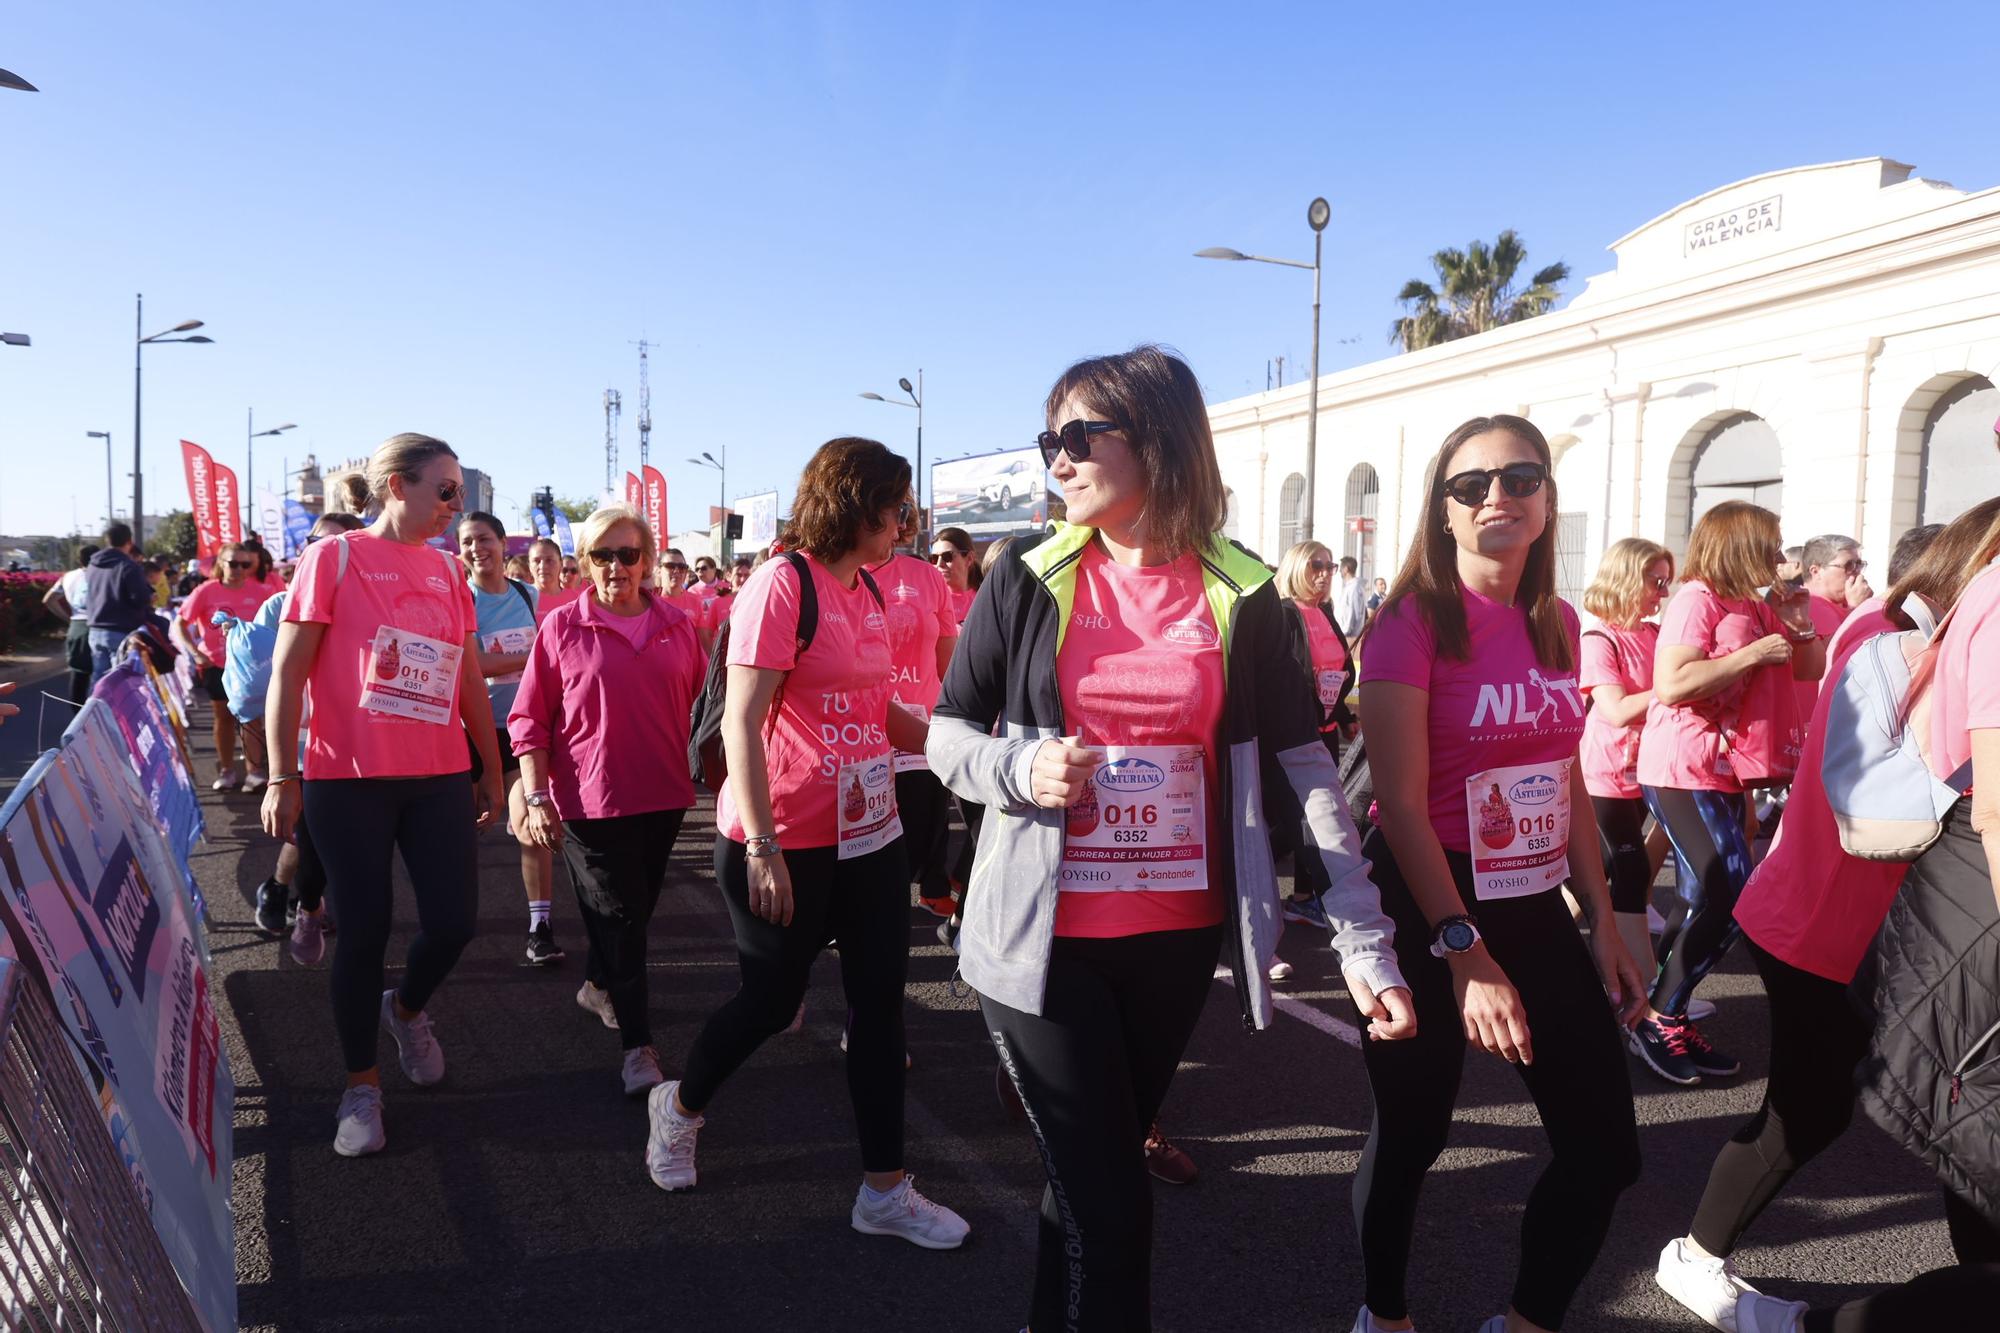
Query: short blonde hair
[(591, 531), (1619, 589), (1733, 549), (1295, 569), (406, 456)]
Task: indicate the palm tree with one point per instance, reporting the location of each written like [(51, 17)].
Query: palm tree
[(1474, 293)]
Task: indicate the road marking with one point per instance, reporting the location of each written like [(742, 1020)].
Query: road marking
[(1338, 1029)]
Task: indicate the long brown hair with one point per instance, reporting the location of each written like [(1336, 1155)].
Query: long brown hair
[(1966, 546), (1732, 549), (1429, 576)]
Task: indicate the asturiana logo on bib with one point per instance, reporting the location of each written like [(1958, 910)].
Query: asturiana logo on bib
[(1535, 789), (1130, 775), (878, 775), (420, 653), (1191, 632)]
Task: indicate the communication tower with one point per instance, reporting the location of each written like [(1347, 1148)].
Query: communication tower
[(645, 406), (612, 406)]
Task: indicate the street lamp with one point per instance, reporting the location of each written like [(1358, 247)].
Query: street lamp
[(105, 436), (916, 401), (250, 458), (16, 340), (139, 346), (1317, 215), (9, 79), (721, 493)]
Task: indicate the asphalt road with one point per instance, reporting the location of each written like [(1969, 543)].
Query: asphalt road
[(40, 723), (513, 1196)]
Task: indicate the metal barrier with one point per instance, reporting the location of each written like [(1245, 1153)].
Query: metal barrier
[(77, 1249)]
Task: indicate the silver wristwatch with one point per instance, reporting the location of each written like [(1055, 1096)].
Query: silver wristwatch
[(538, 799), (762, 844)]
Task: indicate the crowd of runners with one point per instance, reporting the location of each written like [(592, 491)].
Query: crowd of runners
[(1140, 725)]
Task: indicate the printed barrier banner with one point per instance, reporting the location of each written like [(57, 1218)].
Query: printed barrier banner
[(91, 903), (125, 717)]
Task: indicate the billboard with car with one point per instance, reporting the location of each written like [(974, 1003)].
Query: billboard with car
[(993, 495)]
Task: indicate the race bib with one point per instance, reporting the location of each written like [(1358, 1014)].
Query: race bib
[(905, 761), (517, 640), (1329, 687), (1519, 818), (1142, 824), (867, 806), (411, 676)]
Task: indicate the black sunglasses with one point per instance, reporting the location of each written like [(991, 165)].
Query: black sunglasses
[(1319, 565), (450, 490), (243, 564), (1073, 439), (1517, 480), (943, 557), (676, 564), (627, 556)]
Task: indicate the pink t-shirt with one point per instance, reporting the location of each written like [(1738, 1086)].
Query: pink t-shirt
[(241, 601), (1141, 664), (546, 602), (1826, 618), (833, 708), (688, 605), (1329, 660), (961, 602), (416, 589), (1681, 746), (1965, 697), (1609, 755), (1808, 902), (919, 602), (1498, 708)]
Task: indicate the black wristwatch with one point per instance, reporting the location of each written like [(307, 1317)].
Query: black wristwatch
[(1454, 934)]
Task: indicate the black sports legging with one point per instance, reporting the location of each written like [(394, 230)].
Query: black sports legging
[(357, 827), (1092, 1069), (1578, 1082), (1706, 828), (1621, 828), (863, 906), (925, 808), (617, 866)]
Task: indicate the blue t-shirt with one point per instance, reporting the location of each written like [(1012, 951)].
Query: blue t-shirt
[(506, 624)]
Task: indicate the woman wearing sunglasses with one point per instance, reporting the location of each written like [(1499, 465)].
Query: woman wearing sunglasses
[(379, 640), (1728, 652), (617, 661), (808, 846), (1468, 685), (952, 554), (1616, 675), (1143, 668), (545, 561), (236, 591), (672, 580)]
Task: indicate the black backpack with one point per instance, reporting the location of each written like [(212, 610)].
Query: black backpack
[(706, 762)]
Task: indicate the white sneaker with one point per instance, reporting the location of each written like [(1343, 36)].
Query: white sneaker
[(1364, 1322), (360, 1131), (421, 1056), (1758, 1313), (906, 1213), (1707, 1286), (308, 944), (254, 780), (1280, 970), (670, 1139), (1700, 1011), (642, 1071), (593, 1000), (843, 1050), (227, 781)]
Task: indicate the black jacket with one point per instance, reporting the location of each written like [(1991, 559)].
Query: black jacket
[(120, 598), (1932, 1076)]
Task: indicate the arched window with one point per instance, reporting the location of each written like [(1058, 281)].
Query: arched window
[(1960, 465), (1364, 501), (1739, 459), (1291, 499)]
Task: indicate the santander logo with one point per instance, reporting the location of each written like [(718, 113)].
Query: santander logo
[(1191, 633)]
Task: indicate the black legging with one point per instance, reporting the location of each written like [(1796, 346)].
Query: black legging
[(1092, 1070), (1817, 1041), (308, 884), (925, 808), (1944, 1298), (1706, 828), (617, 865), (1578, 1082), (1621, 828), (863, 905), (358, 825)]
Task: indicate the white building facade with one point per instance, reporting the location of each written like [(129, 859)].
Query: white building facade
[(1824, 341)]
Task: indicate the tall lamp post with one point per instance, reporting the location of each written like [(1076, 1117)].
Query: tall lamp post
[(721, 493), (139, 346), (16, 340), (1317, 215), (916, 401), (105, 435), (252, 435)]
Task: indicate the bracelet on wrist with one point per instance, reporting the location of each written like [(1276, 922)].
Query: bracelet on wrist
[(280, 779)]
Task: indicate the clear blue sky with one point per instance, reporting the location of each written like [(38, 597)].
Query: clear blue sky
[(455, 219)]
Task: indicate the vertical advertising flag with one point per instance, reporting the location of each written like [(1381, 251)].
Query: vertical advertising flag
[(267, 519), (655, 508), (564, 537), (228, 505), (298, 527), (201, 499), (635, 495)]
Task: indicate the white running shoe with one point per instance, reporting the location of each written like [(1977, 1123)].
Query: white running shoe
[(1758, 1313), (1280, 970), (670, 1139), (308, 944), (360, 1131), (254, 780), (1707, 1286), (642, 1071), (1364, 1322), (906, 1213), (228, 780), (418, 1051), (594, 1000)]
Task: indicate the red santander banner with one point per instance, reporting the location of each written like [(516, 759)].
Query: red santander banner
[(228, 505), (635, 494), (201, 499), (655, 503)]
